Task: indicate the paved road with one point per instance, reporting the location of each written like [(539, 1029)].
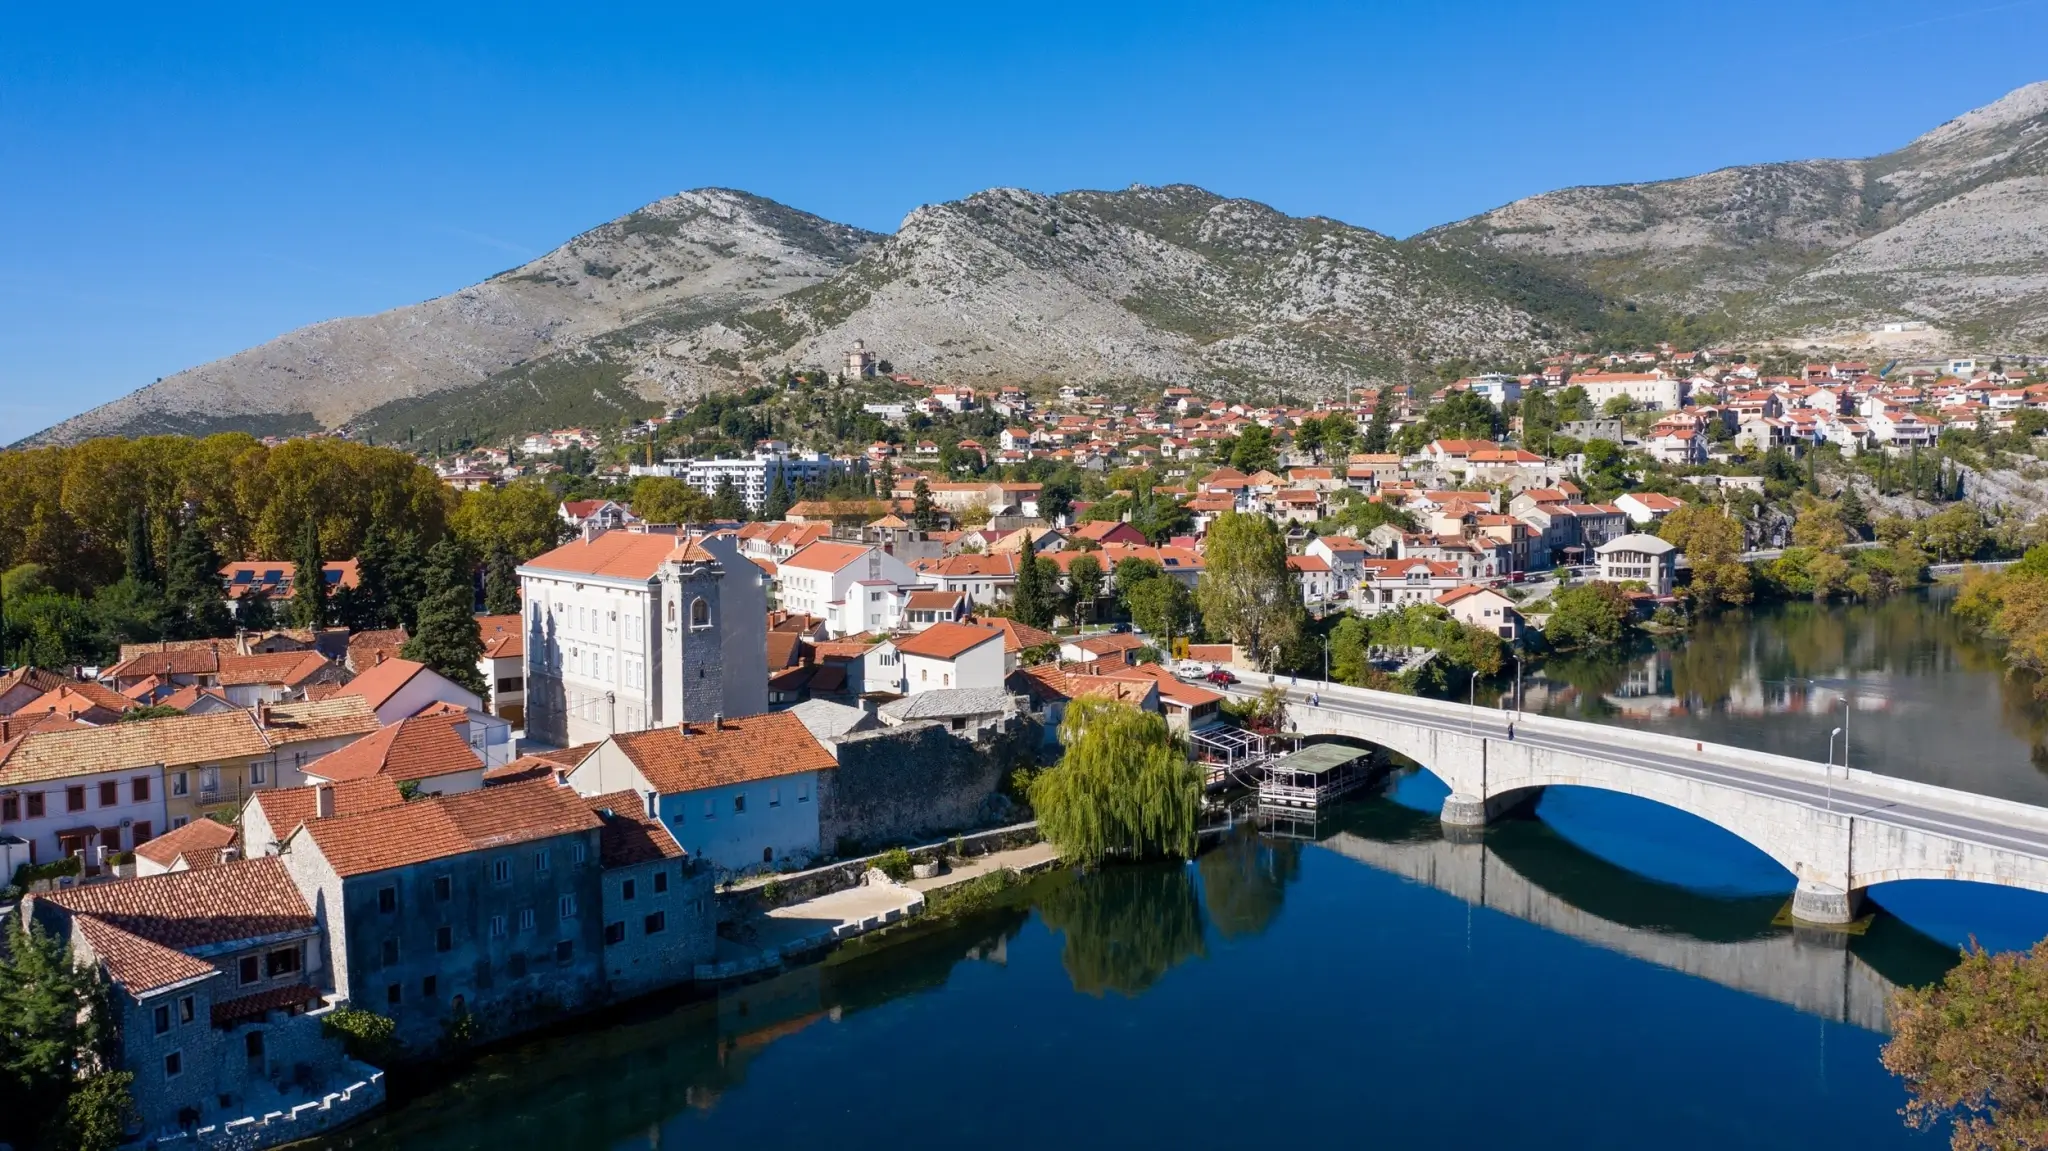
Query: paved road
[(1858, 798)]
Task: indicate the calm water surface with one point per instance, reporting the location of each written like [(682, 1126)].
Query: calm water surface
[(1605, 975)]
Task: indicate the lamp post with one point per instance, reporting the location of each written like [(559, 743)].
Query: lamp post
[(1828, 769), (1472, 703)]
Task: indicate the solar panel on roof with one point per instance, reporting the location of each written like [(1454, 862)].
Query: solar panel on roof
[(272, 575), (331, 577), (245, 576)]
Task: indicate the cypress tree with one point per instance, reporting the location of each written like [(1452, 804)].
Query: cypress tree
[(777, 505), (141, 565), (309, 580), (192, 588), (445, 636), (726, 503), (501, 583), (404, 582), (924, 517)]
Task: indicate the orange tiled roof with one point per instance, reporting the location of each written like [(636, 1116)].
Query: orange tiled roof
[(290, 668), (749, 748), (380, 683), (199, 842), (629, 835), (504, 635), (141, 928), (617, 554), (285, 808), (945, 640), (417, 747), (445, 825), (179, 739)]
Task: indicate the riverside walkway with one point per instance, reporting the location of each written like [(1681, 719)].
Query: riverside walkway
[(1837, 830)]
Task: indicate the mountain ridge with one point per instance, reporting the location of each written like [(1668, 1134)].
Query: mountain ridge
[(1173, 284)]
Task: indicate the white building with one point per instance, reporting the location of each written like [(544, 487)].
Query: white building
[(1497, 387), (852, 587), (1654, 390), (631, 630), (951, 655), (1643, 558), (752, 476)]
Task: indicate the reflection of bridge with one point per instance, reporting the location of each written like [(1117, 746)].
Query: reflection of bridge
[(1820, 977), (1837, 831)]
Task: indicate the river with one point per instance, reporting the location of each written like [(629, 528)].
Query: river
[(1605, 975)]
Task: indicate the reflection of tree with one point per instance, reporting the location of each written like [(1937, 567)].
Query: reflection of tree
[(1594, 674), (1125, 926), (1711, 660), (1244, 882)]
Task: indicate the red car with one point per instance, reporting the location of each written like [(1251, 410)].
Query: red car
[(1219, 676)]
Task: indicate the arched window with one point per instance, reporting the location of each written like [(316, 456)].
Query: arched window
[(700, 613)]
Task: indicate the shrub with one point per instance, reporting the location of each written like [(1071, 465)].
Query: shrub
[(894, 863), (772, 891), (977, 894), (365, 1035)]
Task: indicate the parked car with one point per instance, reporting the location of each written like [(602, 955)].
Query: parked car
[(1119, 628), (1220, 676)]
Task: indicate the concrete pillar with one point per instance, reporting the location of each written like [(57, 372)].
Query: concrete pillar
[(1824, 904), (1461, 810)]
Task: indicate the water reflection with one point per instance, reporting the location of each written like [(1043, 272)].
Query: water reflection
[(1125, 927), (1524, 869), (1927, 700), (1244, 882)]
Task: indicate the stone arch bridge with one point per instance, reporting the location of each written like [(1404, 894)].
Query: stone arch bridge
[(1837, 831)]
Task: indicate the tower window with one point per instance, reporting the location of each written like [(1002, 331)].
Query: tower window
[(700, 613)]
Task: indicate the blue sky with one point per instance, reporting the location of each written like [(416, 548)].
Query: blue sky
[(180, 182)]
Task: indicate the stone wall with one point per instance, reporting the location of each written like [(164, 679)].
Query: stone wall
[(796, 887), (917, 781), (641, 962)]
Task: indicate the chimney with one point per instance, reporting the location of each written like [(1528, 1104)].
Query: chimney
[(378, 659), (591, 530), (323, 801), (263, 716), (653, 803), (229, 855), (718, 721)]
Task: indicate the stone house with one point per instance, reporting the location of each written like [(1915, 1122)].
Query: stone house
[(659, 918), (739, 794)]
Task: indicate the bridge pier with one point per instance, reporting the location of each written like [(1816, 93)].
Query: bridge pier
[(1462, 809), (1824, 904)]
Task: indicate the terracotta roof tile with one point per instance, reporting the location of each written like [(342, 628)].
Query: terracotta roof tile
[(615, 554), (140, 928), (179, 739), (748, 748), (945, 640), (417, 747), (290, 668), (285, 808), (504, 635), (382, 682), (199, 842), (629, 835), (441, 826)]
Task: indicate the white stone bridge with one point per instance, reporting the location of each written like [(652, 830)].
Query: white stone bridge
[(1837, 831)]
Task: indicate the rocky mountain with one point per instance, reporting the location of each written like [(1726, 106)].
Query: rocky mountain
[(1951, 229), (690, 255), (713, 288)]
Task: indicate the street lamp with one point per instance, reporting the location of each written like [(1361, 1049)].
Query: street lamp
[(1472, 703), (1828, 769)]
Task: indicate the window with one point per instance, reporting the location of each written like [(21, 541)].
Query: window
[(387, 899), (283, 961), (803, 791), (444, 939), (739, 803), (661, 883), (428, 986), (33, 804), (174, 1064), (656, 923), (576, 852), (565, 908), (775, 797), (181, 783), (74, 798), (252, 1046), (394, 994), (497, 927), (614, 933), (162, 1018), (700, 614), (142, 830), (710, 812), (501, 870), (540, 860), (565, 950), (526, 919), (251, 970), (626, 891), (390, 951), (110, 794), (186, 1009), (255, 773), (444, 888), (10, 808)]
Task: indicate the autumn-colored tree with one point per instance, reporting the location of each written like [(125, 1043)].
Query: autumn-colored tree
[(1712, 543), (1973, 1050), (668, 500)]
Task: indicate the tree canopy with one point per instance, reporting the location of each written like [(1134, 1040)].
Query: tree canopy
[(1123, 788), (1246, 591), (1970, 1049)]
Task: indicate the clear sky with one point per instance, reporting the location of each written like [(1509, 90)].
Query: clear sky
[(178, 182)]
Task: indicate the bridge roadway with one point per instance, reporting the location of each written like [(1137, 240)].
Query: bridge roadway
[(1838, 831)]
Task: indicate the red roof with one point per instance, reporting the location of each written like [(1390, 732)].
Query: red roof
[(615, 554), (377, 685), (417, 747), (734, 751), (446, 825), (946, 640)]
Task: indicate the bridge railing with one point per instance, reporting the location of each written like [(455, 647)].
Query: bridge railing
[(1457, 718)]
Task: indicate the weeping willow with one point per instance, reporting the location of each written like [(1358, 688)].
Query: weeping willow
[(1124, 789)]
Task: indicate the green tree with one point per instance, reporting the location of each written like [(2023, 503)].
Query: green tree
[(668, 500), (193, 596), (309, 580), (501, 583), (1254, 450), (776, 505), (524, 518), (255, 612), (1971, 1053), (1348, 644), (141, 561), (1163, 606), (1464, 416), (1129, 573), (1123, 788), (1951, 535), (1246, 591), (1712, 543), (924, 515), (1379, 433), (446, 637), (726, 502), (1589, 615), (97, 1115), (1033, 598), (1850, 510), (54, 1014), (1084, 584)]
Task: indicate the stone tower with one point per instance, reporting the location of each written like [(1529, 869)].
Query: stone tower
[(692, 636)]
